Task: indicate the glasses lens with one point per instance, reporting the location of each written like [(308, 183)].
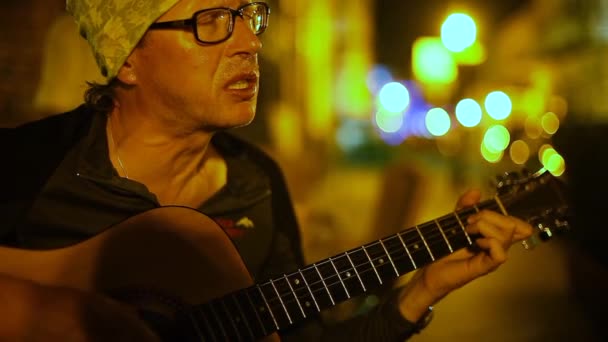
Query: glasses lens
[(213, 25), (256, 16)]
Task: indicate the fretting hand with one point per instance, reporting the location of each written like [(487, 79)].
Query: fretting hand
[(431, 283)]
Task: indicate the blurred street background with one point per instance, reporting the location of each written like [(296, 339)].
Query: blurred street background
[(382, 112)]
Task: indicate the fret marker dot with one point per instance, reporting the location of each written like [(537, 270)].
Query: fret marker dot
[(297, 281), (262, 309), (416, 246), (307, 304), (381, 261), (348, 274)]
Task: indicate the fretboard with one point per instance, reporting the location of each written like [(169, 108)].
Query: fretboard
[(277, 304)]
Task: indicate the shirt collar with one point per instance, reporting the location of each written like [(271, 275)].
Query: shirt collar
[(247, 182)]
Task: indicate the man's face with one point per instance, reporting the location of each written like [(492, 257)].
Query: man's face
[(199, 86)]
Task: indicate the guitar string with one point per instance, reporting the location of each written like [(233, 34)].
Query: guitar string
[(433, 240), (289, 297), (365, 268)]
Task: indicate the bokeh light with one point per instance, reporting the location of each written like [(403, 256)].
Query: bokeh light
[(388, 122), (497, 138), (458, 32), (394, 97), (556, 165), (550, 123), (545, 153), (519, 152), (432, 63), (498, 105), (468, 113), (438, 122), (491, 156)]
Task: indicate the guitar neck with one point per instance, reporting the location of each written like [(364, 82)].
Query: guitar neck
[(279, 303)]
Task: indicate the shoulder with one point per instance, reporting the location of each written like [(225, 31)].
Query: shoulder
[(41, 144), (59, 126)]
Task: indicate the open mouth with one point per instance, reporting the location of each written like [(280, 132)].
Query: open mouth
[(243, 82), (240, 85)]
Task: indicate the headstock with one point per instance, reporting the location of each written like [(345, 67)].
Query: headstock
[(538, 198)]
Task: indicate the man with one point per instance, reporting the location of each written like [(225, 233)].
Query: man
[(180, 73)]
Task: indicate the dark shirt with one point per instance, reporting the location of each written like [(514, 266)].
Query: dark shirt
[(62, 189)]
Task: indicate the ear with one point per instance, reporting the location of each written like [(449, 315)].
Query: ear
[(126, 73)]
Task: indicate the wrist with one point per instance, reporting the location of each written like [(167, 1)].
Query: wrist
[(415, 299), (424, 320)]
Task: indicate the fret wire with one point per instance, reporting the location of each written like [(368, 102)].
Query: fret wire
[(238, 306), (463, 228), (444, 237), (425, 244), (371, 261), (372, 264), (310, 291), (257, 315), (295, 296), (236, 329), (339, 278), (356, 272), (500, 205), (268, 307), (371, 268), (389, 258), (217, 318), (281, 300), (324, 285), (407, 250), (197, 327)]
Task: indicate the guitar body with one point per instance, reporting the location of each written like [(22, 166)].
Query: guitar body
[(176, 252)]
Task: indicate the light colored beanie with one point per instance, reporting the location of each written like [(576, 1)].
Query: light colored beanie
[(114, 27)]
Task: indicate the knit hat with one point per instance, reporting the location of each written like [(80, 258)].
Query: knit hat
[(114, 27)]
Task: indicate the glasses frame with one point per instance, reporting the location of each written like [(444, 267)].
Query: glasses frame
[(192, 22)]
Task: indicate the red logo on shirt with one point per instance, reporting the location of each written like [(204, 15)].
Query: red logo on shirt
[(235, 229)]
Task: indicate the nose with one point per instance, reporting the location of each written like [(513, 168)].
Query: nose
[(243, 38)]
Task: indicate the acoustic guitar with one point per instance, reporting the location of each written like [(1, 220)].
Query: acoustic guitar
[(182, 271)]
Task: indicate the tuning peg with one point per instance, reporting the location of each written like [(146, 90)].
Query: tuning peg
[(545, 232), (530, 243), (506, 181)]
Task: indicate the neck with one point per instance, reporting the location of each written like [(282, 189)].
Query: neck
[(169, 161)]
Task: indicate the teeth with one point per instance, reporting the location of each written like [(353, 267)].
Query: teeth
[(239, 85)]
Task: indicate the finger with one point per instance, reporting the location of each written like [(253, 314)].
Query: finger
[(494, 249), (469, 198), (513, 226), (489, 230), (523, 229)]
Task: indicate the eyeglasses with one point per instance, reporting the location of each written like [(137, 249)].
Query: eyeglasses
[(215, 25)]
